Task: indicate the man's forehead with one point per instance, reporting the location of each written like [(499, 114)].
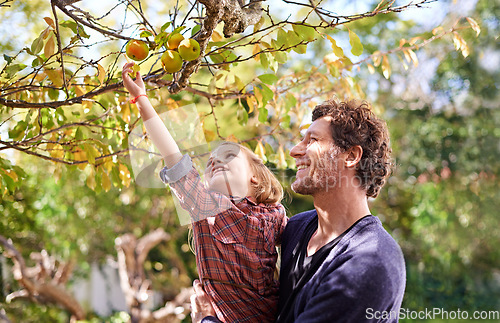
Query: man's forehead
[(320, 126)]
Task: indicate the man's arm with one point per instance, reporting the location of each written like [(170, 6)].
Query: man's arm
[(201, 308)]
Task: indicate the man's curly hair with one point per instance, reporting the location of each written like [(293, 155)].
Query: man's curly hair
[(353, 123)]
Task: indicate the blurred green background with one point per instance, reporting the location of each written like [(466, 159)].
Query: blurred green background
[(440, 203)]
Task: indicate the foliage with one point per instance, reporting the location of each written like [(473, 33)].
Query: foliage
[(70, 188)]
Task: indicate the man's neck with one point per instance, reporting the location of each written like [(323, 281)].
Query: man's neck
[(337, 211)]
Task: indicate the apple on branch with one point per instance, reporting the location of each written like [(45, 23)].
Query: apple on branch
[(137, 50), (189, 49), (171, 61)]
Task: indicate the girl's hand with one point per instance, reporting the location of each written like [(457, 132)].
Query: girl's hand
[(134, 87)]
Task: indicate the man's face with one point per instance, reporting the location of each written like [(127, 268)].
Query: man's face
[(317, 160)]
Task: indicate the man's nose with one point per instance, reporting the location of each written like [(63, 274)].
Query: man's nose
[(298, 150)]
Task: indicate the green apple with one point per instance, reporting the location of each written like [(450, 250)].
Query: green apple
[(171, 61), (189, 49), (174, 40)]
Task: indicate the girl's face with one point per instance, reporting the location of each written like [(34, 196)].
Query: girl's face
[(228, 172)]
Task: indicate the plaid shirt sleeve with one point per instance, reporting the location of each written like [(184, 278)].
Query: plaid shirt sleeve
[(185, 182)]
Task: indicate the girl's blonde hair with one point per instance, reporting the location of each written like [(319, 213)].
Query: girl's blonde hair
[(268, 190)]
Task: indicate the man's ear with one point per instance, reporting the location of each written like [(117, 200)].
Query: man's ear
[(353, 156)]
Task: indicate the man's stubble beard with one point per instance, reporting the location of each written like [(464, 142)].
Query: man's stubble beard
[(325, 174)]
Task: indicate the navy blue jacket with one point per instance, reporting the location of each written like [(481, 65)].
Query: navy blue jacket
[(361, 280)]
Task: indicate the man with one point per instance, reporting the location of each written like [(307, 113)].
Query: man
[(338, 262)]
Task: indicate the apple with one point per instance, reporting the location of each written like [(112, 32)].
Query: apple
[(174, 40), (171, 61), (137, 50), (189, 49)]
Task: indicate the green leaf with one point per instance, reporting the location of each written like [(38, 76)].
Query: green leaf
[(8, 58), (178, 29), (37, 45), (11, 70), (301, 49), (280, 57), (91, 153), (290, 101), (79, 134), (282, 38), (145, 33), (76, 28), (264, 60), (195, 30), (268, 78), (263, 114), (267, 94), (242, 116), (307, 33), (165, 26), (292, 38), (357, 47)]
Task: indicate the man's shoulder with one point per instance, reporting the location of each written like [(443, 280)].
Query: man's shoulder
[(305, 216), (369, 245)]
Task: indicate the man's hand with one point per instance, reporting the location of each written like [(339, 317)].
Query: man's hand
[(200, 303)]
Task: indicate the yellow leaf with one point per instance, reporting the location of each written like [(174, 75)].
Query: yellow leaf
[(105, 182), (91, 183), (474, 25), (414, 40), (305, 126), (460, 44), (256, 51), (413, 57), (56, 150), (55, 76), (377, 58), (251, 104), (11, 174), (79, 91), (124, 174), (216, 36), (232, 138), (126, 113), (338, 51), (101, 73), (402, 42), (50, 46), (209, 135), (281, 158), (261, 151), (50, 22), (108, 164), (386, 67), (371, 68), (436, 30)]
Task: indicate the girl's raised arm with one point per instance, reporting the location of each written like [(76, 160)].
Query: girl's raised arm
[(156, 129)]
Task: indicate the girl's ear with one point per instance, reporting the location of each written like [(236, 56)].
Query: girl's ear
[(254, 180), (353, 157)]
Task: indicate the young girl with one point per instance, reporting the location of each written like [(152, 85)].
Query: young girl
[(237, 218)]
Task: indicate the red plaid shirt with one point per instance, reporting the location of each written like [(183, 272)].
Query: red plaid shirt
[(235, 245)]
